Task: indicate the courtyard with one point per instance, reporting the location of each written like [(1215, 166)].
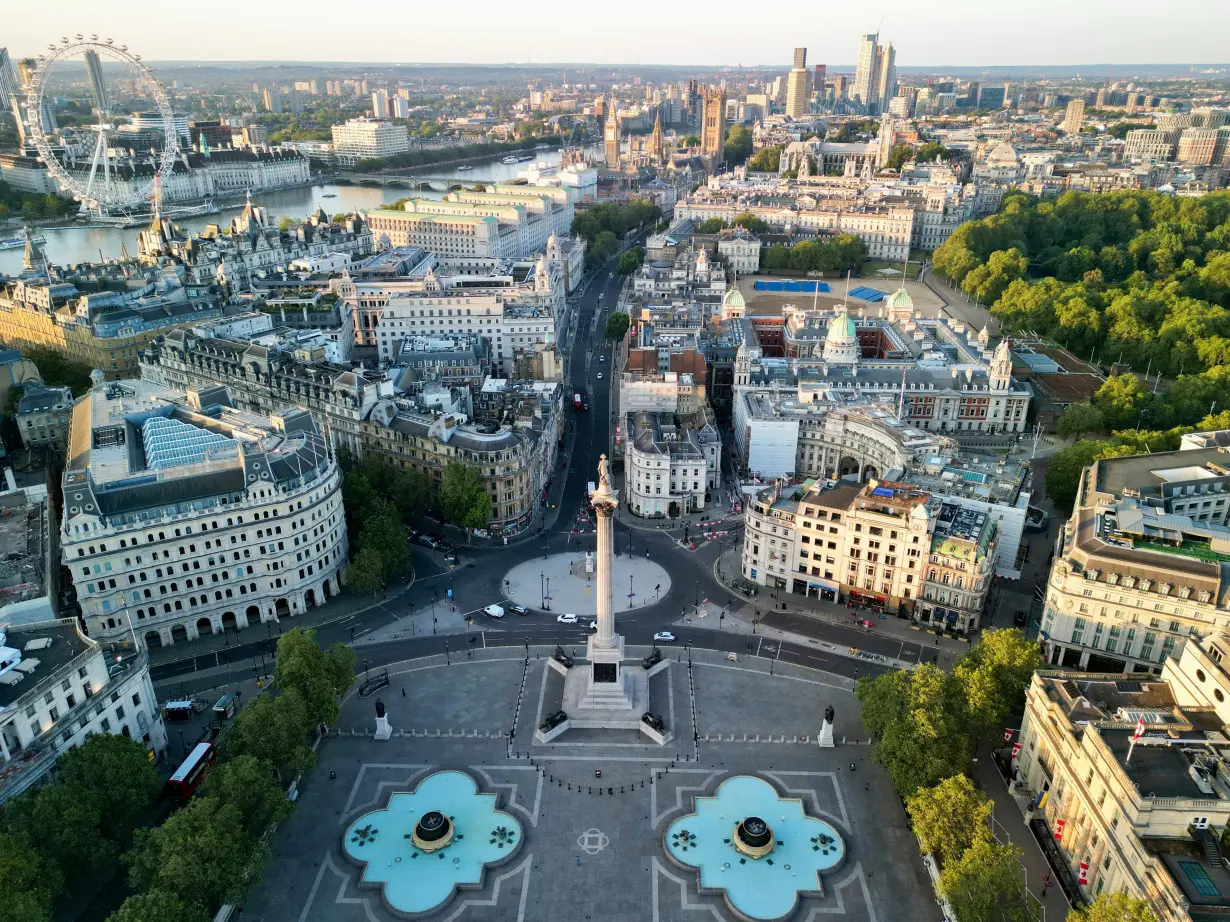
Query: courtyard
[(591, 808)]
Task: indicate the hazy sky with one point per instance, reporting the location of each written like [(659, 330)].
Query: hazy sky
[(718, 32)]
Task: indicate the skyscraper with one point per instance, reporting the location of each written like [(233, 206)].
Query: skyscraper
[(713, 124), (1074, 117), (865, 75), (885, 79), (8, 81), (380, 104), (798, 89)]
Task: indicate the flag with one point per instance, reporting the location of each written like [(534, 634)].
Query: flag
[(1083, 877), (1140, 729), (1016, 750), (1059, 824), (1042, 799), (1007, 735)]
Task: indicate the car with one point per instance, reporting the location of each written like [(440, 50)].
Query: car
[(493, 611), (566, 619), (517, 609), (593, 625), (602, 358), (664, 637), (599, 376), (430, 540)]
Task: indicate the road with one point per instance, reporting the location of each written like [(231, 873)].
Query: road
[(476, 581)]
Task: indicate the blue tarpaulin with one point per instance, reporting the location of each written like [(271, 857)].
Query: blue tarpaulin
[(792, 286)]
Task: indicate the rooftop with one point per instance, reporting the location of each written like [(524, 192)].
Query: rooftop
[(44, 649)]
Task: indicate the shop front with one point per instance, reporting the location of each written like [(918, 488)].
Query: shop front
[(868, 600)]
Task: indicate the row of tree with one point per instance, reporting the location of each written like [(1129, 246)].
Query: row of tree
[(630, 260), (33, 205), (831, 255), (738, 146), (927, 726), (381, 500), (604, 224), (62, 841), (1138, 277), (453, 152), (900, 154)]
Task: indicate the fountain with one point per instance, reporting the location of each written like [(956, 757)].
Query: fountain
[(425, 845), (760, 870)]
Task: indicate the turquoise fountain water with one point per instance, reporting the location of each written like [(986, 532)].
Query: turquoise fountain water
[(425, 845), (757, 848)]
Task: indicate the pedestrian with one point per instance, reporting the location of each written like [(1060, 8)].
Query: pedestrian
[(867, 786), (403, 693)]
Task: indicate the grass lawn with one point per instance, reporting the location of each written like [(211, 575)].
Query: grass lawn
[(879, 269)]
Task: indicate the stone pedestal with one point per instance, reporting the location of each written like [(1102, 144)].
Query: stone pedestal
[(825, 739), (383, 730)]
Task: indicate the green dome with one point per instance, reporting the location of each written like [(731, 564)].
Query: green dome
[(734, 298), (841, 330), (900, 300)]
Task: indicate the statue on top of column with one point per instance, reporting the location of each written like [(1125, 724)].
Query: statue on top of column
[(604, 473)]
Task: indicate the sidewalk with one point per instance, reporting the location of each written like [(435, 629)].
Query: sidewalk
[(335, 609), (728, 566), (1009, 822), (441, 618)]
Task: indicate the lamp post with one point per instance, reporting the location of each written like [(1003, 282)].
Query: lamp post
[(631, 594), (547, 598), (542, 590)]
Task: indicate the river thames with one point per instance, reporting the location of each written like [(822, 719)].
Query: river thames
[(69, 245)]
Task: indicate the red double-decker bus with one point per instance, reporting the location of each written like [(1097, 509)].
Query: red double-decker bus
[(191, 772)]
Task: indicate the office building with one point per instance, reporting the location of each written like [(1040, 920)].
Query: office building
[(1074, 117), (1128, 780), (713, 123), (184, 516), (43, 415), (885, 79), (1199, 146), (798, 88), (882, 544), (1150, 144), (368, 139), (671, 468), (865, 83), (272, 98), (58, 687)]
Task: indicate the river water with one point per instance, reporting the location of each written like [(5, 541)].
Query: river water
[(68, 245)]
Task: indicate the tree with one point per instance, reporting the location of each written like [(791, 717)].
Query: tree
[(319, 677), (157, 906), (985, 883), (115, 773), (931, 150), (898, 155), (992, 678), (767, 159), (1066, 466), (617, 326), (250, 785), (949, 818), (918, 724), (464, 497), (274, 729), (738, 145), (383, 530), (62, 822), (750, 222), (1114, 907), (1078, 419), (988, 281), (631, 260), (1120, 400), (366, 571), (692, 140), (26, 895), (711, 226), (200, 855)]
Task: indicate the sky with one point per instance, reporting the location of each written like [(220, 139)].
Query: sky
[(718, 32)]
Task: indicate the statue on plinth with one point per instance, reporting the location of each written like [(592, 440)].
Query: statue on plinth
[(825, 739), (383, 730)]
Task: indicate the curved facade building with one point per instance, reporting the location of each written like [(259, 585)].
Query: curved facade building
[(184, 516)]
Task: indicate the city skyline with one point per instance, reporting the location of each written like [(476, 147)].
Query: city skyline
[(924, 36)]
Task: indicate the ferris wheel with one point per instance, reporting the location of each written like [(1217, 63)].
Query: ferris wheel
[(102, 189)]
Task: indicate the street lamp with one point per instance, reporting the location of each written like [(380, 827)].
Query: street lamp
[(542, 590), (631, 594)]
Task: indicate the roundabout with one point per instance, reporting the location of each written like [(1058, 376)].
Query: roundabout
[(560, 583)]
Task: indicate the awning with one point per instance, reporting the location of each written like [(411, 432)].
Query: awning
[(822, 584)]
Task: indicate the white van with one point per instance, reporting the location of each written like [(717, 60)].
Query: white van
[(493, 611)]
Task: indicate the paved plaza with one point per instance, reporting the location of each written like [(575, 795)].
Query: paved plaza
[(561, 579), (592, 848)]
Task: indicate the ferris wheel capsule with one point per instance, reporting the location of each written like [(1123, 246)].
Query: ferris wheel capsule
[(79, 36), (136, 57), (93, 36), (110, 41)]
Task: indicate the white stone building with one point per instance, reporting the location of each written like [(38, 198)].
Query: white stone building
[(368, 138), (670, 471), (184, 516)]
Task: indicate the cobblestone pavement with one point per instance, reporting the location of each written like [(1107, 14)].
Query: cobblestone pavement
[(593, 846)]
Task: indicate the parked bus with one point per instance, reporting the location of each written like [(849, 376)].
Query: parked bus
[(577, 404), (184, 709), (191, 772)]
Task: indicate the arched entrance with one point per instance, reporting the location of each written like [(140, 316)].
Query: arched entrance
[(846, 466), (228, 622), (309, 599), (869, 473), (281, 608), (204, 626), (153, 640), (179, 634), (253, 613), (329, 591)]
